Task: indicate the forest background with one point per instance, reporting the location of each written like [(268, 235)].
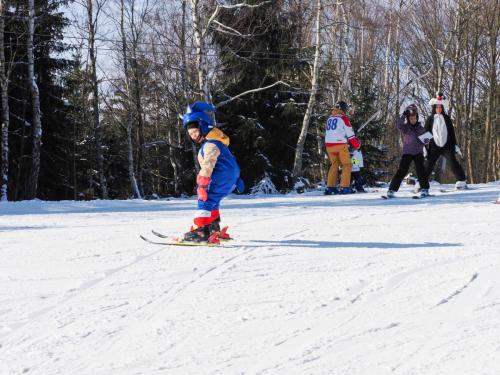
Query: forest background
[(92, 91)]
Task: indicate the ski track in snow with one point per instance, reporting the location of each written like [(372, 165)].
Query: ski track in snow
[(315, 285)]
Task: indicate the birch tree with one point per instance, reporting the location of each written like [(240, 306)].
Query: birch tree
[(299, 149), (136, 31), (128, 106), (92, 19)]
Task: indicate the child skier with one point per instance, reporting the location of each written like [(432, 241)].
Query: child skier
[(411, 129), (219, 172), (338, 134), (356, 166)]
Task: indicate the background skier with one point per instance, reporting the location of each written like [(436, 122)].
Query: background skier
[(339, 132), (356, 166), (410, 129), (218, 175), (444, 141)]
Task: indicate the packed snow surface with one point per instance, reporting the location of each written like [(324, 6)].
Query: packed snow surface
[(312, 285)]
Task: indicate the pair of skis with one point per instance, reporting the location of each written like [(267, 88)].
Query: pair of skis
[(215, 240), (416, 196), (455, 190)]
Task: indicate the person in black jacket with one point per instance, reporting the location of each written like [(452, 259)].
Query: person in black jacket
[(443, 142)]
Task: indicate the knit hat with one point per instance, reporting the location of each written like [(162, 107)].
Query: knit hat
[(439, 99), (412, 109)]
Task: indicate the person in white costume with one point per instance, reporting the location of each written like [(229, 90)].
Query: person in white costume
[(444, 141)]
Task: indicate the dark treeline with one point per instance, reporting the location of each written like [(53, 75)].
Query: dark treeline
[(92, 90)]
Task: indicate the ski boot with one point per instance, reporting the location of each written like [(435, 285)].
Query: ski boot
[(390, 194), (203, 234), (346, 190), (423, 193), (331, 191)]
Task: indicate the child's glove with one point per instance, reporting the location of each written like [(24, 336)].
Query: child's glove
[(201, 190), (457, 151)]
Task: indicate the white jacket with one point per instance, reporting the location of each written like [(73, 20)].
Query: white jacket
[(339, 131)]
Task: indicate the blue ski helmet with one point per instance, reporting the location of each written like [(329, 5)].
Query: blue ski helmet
[(343, 106), (199, 112)]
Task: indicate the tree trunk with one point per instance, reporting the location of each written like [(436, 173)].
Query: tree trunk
[(346, 84), (396, 136), (92, 24), (199, 62), (299, 149), (203, 90), (470, 98), (4, 85), (489, 135), (130, 148), (385, 89), (35, 106), (321, 153), (456, 58), (140, 120)]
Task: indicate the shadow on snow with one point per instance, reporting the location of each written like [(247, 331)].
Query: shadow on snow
[(365, 245)]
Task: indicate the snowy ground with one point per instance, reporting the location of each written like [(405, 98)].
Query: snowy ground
[(316, 285)]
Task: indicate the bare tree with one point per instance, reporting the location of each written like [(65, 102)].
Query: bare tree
[(491, 27), (128, 107), (299, 149), (92, 26), (4, 86), (199, 38), (200, 30), (35, 105)]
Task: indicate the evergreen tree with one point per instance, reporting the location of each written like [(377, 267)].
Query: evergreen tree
[(363, 100), (263, 126), (50, 69), (80, 121)]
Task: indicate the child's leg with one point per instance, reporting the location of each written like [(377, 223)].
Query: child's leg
[(420, 169), (404, 165), (206, 220), (208, 211), (358, 181)]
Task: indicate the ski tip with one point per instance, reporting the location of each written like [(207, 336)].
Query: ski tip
[(158, 234)]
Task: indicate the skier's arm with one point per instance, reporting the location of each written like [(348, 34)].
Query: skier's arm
[(351, 137), (207, 159), (401, 125)]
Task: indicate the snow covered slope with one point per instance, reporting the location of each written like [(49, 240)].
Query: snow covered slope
[(316, 285)]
